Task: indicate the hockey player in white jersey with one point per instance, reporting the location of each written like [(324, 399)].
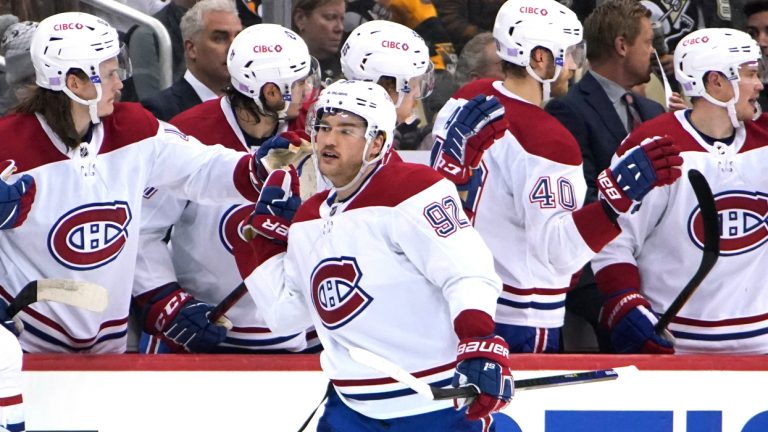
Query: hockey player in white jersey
[(271, 71), (659, 249), (387, 247), (91, 159), (528, 189), (397, 58)]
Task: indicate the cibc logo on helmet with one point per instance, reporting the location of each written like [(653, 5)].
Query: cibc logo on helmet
[(68, 26), (533, 10), (696, 40), (267, 48), (394, 44)]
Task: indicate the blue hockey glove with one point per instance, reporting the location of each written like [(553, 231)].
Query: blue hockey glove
[(470, 131), (276, 207), (279, 146), (628, 317), (15, 199), (180, 319), (655, 162), (484, 363)]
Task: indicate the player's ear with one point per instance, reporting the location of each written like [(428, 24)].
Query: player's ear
[(377, 145)]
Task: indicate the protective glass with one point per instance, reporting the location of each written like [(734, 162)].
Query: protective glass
[(421, 85), (351, 127), (577, 54), (307, 88), (125, 69)]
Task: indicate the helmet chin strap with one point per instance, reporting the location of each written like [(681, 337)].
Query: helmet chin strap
[(546, 84), (730, 105), (92, 104)]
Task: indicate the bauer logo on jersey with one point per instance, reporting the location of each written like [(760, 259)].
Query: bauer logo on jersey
[(743, 220), (231, 225), (336, 292), (90, 236)]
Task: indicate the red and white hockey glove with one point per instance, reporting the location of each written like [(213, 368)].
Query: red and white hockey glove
[(656, 162), (470, 130), (15, 199), (276, 207), (180, 319), (628, 317), (484, 364)]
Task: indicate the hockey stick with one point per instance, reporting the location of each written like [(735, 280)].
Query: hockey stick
[(711, 227), (82, 294), (225, 305), (386, 367)]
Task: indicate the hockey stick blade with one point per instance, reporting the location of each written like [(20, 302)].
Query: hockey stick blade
[(82, 294), (711, 252), (394, 371)]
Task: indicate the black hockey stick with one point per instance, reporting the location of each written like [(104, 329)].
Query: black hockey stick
[(711, 227), (82, 294), (225, 305), (385, 366)]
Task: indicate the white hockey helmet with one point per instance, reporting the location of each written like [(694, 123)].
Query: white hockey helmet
[(366, 99), (720, 50), (523, 25), (271, 53), (381, 48), (75, 40)]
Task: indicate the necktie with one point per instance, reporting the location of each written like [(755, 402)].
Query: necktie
[(633, 117)]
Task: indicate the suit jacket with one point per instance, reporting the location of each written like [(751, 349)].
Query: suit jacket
[(589, 115), (173, 100)]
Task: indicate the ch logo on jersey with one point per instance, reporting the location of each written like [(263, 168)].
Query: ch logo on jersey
[(743, 218), (91, 235), (336, 292), (231, 225)]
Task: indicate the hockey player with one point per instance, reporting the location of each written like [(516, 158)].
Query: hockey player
[(267, 83), (527, 191), (11, 401), (397, 58), (91, 159), (659, 249), (387, 245)]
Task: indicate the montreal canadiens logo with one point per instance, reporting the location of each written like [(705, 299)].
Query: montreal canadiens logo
[(336, 292), (743, 218), (90, 236), (231, 225)]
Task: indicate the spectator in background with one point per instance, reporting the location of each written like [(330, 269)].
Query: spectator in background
[(19, 73), (478, 60), (598, 110), (321, 24), (208, 29), (756, 13), (144, 54), (463, 22)]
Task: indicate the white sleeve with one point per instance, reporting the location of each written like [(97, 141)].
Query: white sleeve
[(274, 291), (154, 267), (192, 170), (448, 251)]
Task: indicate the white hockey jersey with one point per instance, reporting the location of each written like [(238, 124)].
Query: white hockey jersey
[(84, 222), (530, 209), (203, 238), (660, 247), (387, 270)]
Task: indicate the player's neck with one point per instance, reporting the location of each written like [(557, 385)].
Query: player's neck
[(526, 88), (711, 120), (80, 118), (261, 128)]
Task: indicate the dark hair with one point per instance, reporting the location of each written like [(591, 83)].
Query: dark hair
[(610, 20), (754, 7), (241, 101), (56, 108), (306, 7)]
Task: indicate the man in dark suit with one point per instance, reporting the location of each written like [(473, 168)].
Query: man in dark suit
[(598, 113), (208, 29)]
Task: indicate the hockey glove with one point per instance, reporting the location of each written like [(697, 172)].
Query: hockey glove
[(15, 199), (180, 319), (276, 207), (471, 129), (628, 317), (287, 148), (484, 364), (656, 162)]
